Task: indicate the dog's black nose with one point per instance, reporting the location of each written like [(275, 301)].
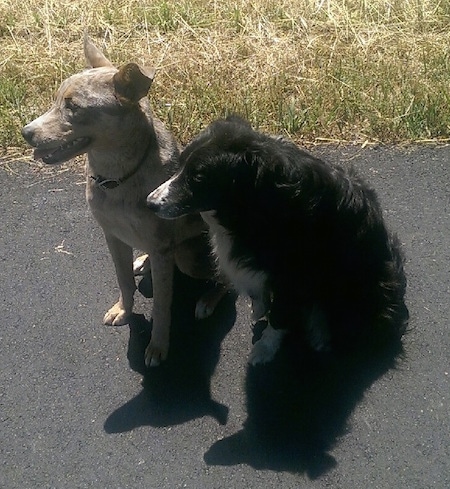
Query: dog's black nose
[(27, 133)]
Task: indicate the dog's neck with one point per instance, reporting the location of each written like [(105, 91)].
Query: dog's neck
[(112, 167), (110, 182)]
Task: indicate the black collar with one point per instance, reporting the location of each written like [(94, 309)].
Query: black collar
[(110, 183)]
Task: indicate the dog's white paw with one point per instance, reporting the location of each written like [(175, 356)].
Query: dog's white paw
[(265, 348), (259, 309), (260, 354), (117, 315), (141, 265), (203, 309)]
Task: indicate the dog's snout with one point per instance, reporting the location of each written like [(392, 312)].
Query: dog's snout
[(27, 133), (152, 203), (157, 198)]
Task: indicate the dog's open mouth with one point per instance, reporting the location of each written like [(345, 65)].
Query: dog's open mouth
[(63, 152)]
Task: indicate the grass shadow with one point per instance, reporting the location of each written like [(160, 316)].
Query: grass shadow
[(299, 405), (178, 390)]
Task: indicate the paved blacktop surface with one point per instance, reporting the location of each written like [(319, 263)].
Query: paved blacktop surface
[(78, 410)]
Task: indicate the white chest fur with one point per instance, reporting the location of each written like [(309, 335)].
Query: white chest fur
[(245, 280)]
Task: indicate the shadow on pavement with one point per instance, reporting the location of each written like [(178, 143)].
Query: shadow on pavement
[(178, 390), (298, 406)]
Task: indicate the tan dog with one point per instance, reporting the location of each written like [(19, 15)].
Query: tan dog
[(104, 112)]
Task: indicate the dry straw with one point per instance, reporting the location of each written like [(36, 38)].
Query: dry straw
[(315, 70)]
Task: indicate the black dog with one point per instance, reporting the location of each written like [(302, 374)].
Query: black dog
[(304, 239)]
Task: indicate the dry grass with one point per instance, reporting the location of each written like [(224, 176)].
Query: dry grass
[(352, 70)]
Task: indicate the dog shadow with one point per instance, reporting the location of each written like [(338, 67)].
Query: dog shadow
[(299, 405), (179, 389)]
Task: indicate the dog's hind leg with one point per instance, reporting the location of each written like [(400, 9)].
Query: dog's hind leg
[(208, 301), (193, 258), (122, 256), (162, 276), (142, 267)]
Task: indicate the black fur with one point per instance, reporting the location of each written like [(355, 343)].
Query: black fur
[(314, 228)]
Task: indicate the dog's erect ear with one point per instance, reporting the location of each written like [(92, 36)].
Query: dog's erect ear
[(94, 57), (133, 82)]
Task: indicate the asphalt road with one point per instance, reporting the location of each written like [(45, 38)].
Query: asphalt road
[(76, 411)]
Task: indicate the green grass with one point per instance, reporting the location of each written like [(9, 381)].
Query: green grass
[(339, 70)]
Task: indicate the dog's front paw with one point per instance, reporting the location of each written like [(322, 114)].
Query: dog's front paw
[(261, 354), (264, 349), (209, 300), (142, 265), (155, 354), (259, 309), (203, 310), (117, 315)]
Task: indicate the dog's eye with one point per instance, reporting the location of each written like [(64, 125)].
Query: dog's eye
[(198, 178)]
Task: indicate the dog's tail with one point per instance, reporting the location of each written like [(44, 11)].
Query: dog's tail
[(394, 314)]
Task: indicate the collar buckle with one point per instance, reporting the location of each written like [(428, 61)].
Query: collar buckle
[(105, 183), (112, 183)]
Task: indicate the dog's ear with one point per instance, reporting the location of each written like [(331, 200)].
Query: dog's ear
[(133, 82), (94, 57)]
